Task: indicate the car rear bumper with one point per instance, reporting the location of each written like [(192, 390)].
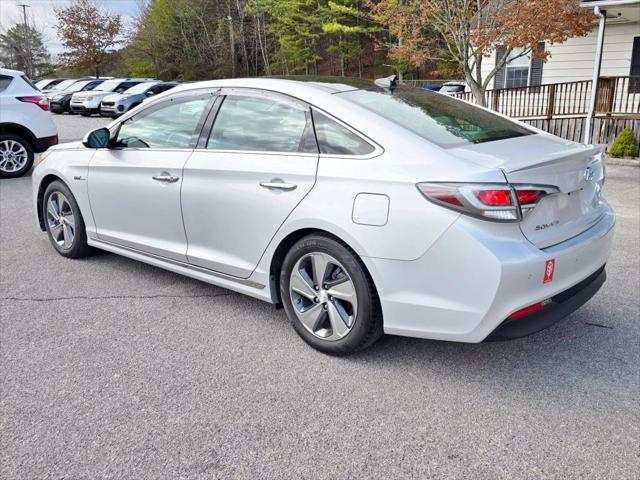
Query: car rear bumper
[(559, 307), (57, 106), (41, 144), (473, 278)]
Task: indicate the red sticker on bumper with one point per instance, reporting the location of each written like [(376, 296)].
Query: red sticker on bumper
[(549, 268)]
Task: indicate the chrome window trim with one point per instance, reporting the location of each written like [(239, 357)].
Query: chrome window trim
[(258, 152), (251, 91), (257, 93), (378, 149), (114, 128)]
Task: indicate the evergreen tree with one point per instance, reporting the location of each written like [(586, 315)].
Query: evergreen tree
[(22, 48)]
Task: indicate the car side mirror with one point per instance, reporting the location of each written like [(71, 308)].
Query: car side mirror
[(99, 138), (150, 93)]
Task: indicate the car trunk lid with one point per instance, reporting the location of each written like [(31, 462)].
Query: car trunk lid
[(577, 171)]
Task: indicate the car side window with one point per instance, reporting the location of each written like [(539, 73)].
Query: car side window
[(335, 139), (168, 125), (4, 82), (125, 86), (260, 124)]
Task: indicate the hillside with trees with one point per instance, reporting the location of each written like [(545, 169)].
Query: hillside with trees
[(204, 39)]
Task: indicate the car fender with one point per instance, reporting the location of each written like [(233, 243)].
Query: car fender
[(71, 166)]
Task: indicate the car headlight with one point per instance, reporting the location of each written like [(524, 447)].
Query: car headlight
[(91, 97)]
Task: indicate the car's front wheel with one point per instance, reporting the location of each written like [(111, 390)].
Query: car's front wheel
[(329, 296), (16, 155), (64, 222)]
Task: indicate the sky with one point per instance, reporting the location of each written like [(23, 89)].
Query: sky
[(41, 15)]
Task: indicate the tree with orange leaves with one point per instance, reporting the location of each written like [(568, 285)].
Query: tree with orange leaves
[(89, 33), (467, 31)]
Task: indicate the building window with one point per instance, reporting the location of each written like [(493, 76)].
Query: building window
[(517, 69), (521, 70), (634, 83)]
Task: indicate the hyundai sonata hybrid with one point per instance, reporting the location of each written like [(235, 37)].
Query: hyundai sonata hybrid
[(361, 210)]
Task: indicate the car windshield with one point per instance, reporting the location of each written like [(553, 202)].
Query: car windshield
[(43, 83), (108, 86), (438, 118), (76, 87), (64, 84), (140, 88)]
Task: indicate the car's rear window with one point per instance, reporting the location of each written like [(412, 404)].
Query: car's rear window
[(5, 80), (443, 120)]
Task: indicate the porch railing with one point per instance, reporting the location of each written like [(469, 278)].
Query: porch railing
[(615, 96)]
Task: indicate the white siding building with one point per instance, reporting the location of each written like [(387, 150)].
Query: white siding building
[(574, 59)]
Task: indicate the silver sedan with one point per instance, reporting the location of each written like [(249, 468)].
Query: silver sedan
[(360, 209)]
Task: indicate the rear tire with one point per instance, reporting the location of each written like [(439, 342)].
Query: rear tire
[(16, 155), (329, 296), (64, 222)]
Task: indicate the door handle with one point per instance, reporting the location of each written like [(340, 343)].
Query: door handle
[(278, 185), (165, 177)]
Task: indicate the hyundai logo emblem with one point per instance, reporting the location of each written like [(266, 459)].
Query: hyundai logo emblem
[(588, 174)]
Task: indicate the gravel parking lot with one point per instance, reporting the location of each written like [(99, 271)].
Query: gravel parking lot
[(110, 368)]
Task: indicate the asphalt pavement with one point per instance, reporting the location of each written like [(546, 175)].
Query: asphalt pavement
[(110, 368)]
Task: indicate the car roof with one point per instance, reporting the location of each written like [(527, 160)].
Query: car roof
[(304, 90), (14, 73)]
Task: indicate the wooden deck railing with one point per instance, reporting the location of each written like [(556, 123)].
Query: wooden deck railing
[(616, 96)]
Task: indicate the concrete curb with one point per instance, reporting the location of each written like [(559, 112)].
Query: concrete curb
[(627, 162)]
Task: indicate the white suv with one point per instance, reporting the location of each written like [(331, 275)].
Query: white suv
[(26, 126)]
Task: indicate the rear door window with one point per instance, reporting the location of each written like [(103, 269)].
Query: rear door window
[(266, 124)]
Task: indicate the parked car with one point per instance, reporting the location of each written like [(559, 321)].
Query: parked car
[(360, 210), (26, 127), (88, 103), (48, 83), (58, 87), (451, 88), (60, 100), (120, 103)]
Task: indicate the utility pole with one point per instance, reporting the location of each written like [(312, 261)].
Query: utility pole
[(28, 60), (24, 7)]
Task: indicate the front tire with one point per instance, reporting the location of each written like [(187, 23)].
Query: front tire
[(329, 296), (64, 222), (16, 155)]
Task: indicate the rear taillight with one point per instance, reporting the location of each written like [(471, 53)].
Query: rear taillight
[(536, 307), (42, 102), (498, 202), (495, 198)]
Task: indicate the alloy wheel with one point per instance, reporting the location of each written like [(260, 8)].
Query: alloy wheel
[(13, 156), (60, 220), (323, 296)]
